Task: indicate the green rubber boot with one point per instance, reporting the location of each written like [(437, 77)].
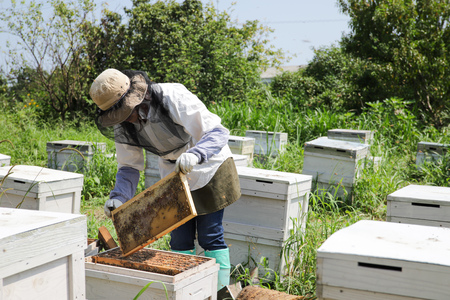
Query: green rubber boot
[(191, 252), (222, 257)]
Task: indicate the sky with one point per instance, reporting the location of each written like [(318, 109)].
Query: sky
[(299, 25)]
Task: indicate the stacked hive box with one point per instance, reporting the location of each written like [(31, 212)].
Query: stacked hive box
[(112, 282), (268, 143), (350, 135), (421, 205), (37, 188), (241, 145), (5, 160), (42, 255), (152, 175), (430, 152), (382, 260), (334, 162), (262, 219), (68, 155)]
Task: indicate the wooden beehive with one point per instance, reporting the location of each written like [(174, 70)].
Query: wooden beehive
[(151, 171), (384, 260), (243, 146), (261, 220), (110, 276), (153, 213), (42, 255), (241, 160), (421, 205), (5, 160), (267, 142), (334, 162), (69, 155), (38, 188), (430, 152), (351, 135)]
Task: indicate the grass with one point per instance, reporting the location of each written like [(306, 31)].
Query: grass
[(397, 133)]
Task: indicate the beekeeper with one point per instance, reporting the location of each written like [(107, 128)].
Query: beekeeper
[(171, 122)]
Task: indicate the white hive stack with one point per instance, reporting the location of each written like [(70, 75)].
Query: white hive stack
[(242, 145), (268, 143)]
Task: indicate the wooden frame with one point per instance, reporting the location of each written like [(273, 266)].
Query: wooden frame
[(153, 213)]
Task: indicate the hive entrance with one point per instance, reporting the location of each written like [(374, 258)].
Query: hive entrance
[(150, 260)]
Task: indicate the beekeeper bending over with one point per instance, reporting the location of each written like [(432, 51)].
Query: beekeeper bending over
[(171, 122)]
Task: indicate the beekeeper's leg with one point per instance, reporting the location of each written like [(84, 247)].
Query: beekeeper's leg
[(210, 238), (182, 238)]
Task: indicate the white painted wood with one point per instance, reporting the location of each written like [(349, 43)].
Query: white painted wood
[(61, 155), (267, 142), (390, 258), (41, 253), (5, 160), (351, 135), (420, 204), (110, 282), (337, 148), (38, 188), (430, 152), (241, 160), (241, 144), (340, 293)]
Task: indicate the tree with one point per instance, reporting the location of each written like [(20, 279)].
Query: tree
[(54, 48), (186, 43), (407, 44)]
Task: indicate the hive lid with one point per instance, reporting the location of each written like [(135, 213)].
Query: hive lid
[(83, 146), (324, 145), (273, 176), (379, 239), (364, 136), (412, 192), (432, 148), (39, 179), (153, 213)]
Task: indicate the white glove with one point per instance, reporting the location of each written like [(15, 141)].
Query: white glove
[(110, 205), (186, 162)]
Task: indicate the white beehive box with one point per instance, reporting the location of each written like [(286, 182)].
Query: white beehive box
[(38, 188), (421, 205), (151, 171), (430, 152), (382, 260), (5, 160), (241, 160), (350, 135), (41, 255), (334, 161), (243, 146), (268, 143), (105, 282), (263, 217), (68, 155)]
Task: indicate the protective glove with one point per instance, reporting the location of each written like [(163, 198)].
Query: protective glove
[(110, 205), (186, 162)]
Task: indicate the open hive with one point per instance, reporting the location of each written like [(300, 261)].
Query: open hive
[(153, 213), (150, 260)]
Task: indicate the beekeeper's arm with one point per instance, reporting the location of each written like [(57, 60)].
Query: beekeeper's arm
[(130, 161)]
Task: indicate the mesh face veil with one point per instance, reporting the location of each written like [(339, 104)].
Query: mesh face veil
[(154, 131)]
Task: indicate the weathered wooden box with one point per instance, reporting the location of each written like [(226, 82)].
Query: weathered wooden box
[(421, 205), (430, 152), (242, 145), (383, 260), (267, 142), (262, 219), (153, 213), (38, 188), (68, 155), (5, 160), (334, 162), (117, 282), (151, 171), (41, 255), (351, 135), (241, 160)]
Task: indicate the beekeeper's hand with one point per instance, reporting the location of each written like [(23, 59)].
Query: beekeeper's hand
[(110, 205), (186, 162)]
